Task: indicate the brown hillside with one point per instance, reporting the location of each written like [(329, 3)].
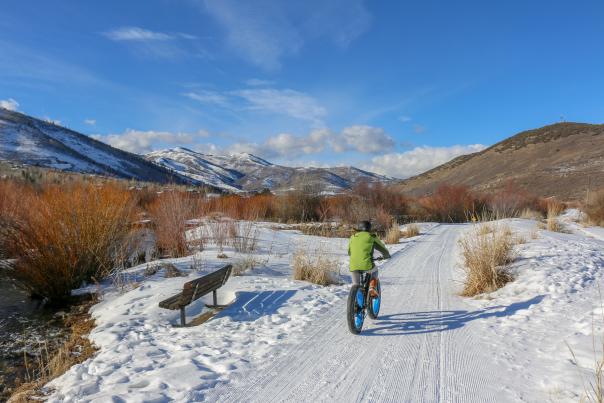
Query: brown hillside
[(556, 160)]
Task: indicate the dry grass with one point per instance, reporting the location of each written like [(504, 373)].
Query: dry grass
[(554, 207), (68, 235), (393, 235), (530, 214), (486, 256), (319, 270), (245, 263), (552, 223), (410, 231), (50, 365)]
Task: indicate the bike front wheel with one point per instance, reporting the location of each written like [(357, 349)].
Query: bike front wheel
[(355, 312), (375, 303)]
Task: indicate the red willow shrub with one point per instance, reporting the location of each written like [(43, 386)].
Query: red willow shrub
[(594, 208), (452, 204), (68, 235), (170, 212)]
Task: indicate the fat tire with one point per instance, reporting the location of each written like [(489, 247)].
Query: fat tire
[(370, 312), (351, 310)]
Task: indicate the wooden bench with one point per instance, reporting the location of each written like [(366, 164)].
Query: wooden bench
[(196, 289)]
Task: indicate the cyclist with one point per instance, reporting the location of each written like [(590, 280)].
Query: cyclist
[(360, 249)]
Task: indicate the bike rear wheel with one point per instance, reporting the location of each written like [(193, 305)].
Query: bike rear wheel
[(355, 315), (375, 303)]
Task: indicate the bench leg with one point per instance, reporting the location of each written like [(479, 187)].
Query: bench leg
[(214, 295), (182, 316)]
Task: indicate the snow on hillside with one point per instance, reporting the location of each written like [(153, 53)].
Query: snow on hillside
[(32, 141), (287, 340), (247, 172)]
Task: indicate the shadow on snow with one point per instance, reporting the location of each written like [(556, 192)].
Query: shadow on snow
[(250, 305), (440, 321)]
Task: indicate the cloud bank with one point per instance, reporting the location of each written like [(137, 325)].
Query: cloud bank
[(142, 142), (417, 160)]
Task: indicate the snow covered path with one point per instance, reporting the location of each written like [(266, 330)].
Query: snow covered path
[(421, 349), (287, 340)]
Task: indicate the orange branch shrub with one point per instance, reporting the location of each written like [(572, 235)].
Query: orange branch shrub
[(68, 235), (169, 212), (452, 204)]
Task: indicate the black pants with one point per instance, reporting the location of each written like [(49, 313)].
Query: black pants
[(356, 275)]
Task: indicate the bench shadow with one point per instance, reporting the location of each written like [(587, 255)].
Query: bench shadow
[(251, 305), (440, 321)]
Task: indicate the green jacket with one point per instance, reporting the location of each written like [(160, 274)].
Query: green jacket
[(360, 249)]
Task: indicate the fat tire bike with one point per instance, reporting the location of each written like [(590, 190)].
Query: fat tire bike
[(360, 303)]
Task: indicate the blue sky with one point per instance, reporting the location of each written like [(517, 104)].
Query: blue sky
[(392, 86)]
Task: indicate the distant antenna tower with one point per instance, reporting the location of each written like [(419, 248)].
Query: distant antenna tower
[(562, 118)]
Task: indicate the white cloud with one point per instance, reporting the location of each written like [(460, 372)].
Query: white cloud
[(9, 104), (266, 31), (157, 44), (137, 34), (418, 160), (208, 97), (295, 104), (142, 142), (404, 118), (289, 102), (363, 139), (367, 139), (90, 122)]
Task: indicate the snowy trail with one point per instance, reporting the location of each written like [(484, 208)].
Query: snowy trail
[(426, 346)]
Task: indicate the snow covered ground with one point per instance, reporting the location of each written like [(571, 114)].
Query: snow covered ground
[(285, 340)]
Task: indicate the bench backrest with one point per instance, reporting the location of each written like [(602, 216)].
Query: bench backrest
[(197, 288)]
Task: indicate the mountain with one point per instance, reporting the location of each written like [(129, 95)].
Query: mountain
[(247, 172), (562, 160), (31, 141)]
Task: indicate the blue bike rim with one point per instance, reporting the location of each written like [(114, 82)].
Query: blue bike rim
[(358, 317), (376, 302)]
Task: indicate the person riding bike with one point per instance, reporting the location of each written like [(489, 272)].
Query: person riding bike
[(360, 249)]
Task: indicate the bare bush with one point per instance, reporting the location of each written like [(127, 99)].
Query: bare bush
[(486, 259), (319, 270), (594, 209), (170, 212), (509, 201), (244, 236), (69, 235), (12, 196), (219, 229), (452, 204)]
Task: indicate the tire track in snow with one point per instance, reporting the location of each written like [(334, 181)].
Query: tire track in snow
[(421, 349)]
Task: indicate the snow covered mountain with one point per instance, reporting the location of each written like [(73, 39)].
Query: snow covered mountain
[(27, 140), (31, 141), (247, 172)]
